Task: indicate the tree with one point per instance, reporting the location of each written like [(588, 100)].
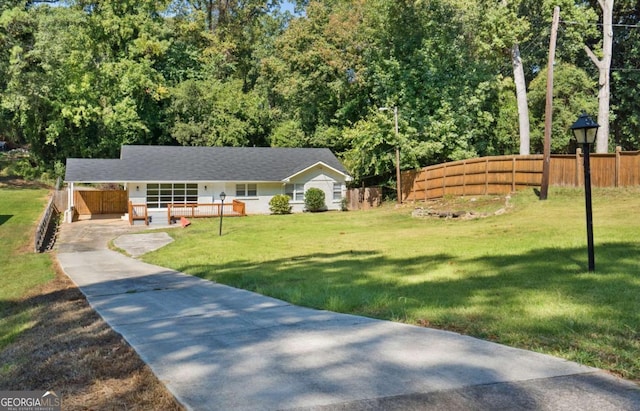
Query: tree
[(604, 69), (211, 112), (85, 81), (315, 76), (17, 29), (503, 29), (236, 30), (625, 123), (573, 91)]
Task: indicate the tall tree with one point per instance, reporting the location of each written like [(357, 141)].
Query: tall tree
[(236, 28), (210, 112), (625, 77), (503, 29), (573, 91), (87, 83), (604, 69)]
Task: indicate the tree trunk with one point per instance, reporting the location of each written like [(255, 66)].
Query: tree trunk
[(210, 16), (604, 68), (521, 96)]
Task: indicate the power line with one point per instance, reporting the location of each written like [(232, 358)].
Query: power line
[(577, 23)]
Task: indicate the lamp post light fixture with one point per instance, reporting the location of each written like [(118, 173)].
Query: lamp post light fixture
[(395, 117), (222, 197), (585, 130)]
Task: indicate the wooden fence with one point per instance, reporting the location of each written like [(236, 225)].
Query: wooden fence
[(364, 198), (90, 202), (505, 174)]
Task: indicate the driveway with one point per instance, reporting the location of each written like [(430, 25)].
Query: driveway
[(221, 348)]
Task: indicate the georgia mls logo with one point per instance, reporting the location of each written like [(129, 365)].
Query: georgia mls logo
[(30, 401)]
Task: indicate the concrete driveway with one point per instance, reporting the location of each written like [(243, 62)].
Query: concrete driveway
[(220, 348)]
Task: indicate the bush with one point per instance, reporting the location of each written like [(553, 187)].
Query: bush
[(344, 204), (314, 200), (279, 204)]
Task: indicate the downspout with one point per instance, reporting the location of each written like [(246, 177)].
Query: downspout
[(68, 214)]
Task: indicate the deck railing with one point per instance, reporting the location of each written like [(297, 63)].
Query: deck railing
[(138, 212), (175, 211)]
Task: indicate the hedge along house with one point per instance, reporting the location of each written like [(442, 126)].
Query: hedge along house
[(161, 175)]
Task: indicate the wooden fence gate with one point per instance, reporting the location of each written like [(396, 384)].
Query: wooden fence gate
[(92, 202)]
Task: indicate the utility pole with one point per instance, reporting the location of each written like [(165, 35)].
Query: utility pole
[(548, 111)]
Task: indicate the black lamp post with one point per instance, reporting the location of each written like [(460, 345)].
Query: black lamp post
[(222, 197), (585, 130)]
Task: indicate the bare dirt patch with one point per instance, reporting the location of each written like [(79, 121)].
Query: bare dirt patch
[(72, 351), (463, 207)]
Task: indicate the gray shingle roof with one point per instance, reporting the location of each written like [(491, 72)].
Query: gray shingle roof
[(171, 163)]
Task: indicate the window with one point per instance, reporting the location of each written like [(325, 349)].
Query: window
[(160, 195), (295, 191), (337, 191), (246, 190)]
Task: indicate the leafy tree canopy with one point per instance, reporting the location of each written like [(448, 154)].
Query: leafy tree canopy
[(81, 77)]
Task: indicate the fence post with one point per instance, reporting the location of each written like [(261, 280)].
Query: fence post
[(444, 180), (426, 184), (486, 176), (413, 185), (578, 165), (618, 161), (513, 174), (464, 177)]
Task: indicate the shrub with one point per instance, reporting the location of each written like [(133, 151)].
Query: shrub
[(279, 204), (314, 200), (344, 204)]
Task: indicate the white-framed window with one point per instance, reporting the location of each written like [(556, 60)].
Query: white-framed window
[(246, 190), (337, 191), (161, 195), (295, 191)]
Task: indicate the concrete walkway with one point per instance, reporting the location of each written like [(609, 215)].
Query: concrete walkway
[(220, 348)]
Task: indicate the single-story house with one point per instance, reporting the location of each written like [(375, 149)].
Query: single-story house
[(161, 175)]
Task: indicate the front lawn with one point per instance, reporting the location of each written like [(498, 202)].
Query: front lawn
[(519, 278), (22, 270), (50, 338)]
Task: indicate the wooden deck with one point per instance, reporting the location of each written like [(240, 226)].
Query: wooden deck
[(140, 212), (234, 209)]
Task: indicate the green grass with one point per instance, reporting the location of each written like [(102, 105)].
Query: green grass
[(22, 270), (519, 278)]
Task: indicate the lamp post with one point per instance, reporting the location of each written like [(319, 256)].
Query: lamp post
[(222, 197), (585, 130), (398, 187)]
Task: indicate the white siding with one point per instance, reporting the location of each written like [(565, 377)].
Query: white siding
[(137, 193), (322, 178), (318, 177)]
